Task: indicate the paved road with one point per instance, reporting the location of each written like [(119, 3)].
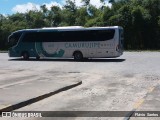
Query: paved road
[(128, 83), (23, 82)]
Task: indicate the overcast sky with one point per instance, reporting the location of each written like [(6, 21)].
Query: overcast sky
[(21, 6)]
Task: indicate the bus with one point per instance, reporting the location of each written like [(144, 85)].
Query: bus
[(67, 42)]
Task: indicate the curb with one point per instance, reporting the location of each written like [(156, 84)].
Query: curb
[(3, 51), (36, 99)]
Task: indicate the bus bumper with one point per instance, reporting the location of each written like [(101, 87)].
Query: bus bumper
[(118, 54), (13, 53)]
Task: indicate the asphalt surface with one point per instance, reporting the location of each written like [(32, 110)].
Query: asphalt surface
[(127, 83)]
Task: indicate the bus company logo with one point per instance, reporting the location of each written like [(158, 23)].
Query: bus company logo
[(49, 47), (6, 114)]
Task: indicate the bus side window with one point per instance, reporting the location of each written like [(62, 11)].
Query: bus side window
[(106, 34), (29, 37)]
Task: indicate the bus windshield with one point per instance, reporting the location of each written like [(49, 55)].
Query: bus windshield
[(121, 38), (13, 39)]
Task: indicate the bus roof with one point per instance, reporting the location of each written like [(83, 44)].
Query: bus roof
[(77, 27), (67, 28)]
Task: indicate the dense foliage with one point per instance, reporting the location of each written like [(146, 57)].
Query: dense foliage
[(139, 18)]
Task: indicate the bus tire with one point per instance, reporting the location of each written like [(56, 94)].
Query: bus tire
[(78, 55), (37, 57), (25, 55)]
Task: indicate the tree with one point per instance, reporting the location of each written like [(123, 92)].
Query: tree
[(86, 2), (153, 7), (95, 16), (112, 1), (35, 19), (139, 18), (69, 13), (55, 16), (70, 6), (81, 16)]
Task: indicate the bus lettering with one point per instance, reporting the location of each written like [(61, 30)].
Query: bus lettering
[(82, 45)]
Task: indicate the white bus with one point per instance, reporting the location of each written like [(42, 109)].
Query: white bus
[(67, 42)]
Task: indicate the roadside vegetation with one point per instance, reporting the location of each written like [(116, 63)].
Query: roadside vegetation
[(139, 18)]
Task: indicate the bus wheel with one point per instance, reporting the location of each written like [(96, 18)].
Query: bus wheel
[(25, 56), (38, 57), (78, 55)]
